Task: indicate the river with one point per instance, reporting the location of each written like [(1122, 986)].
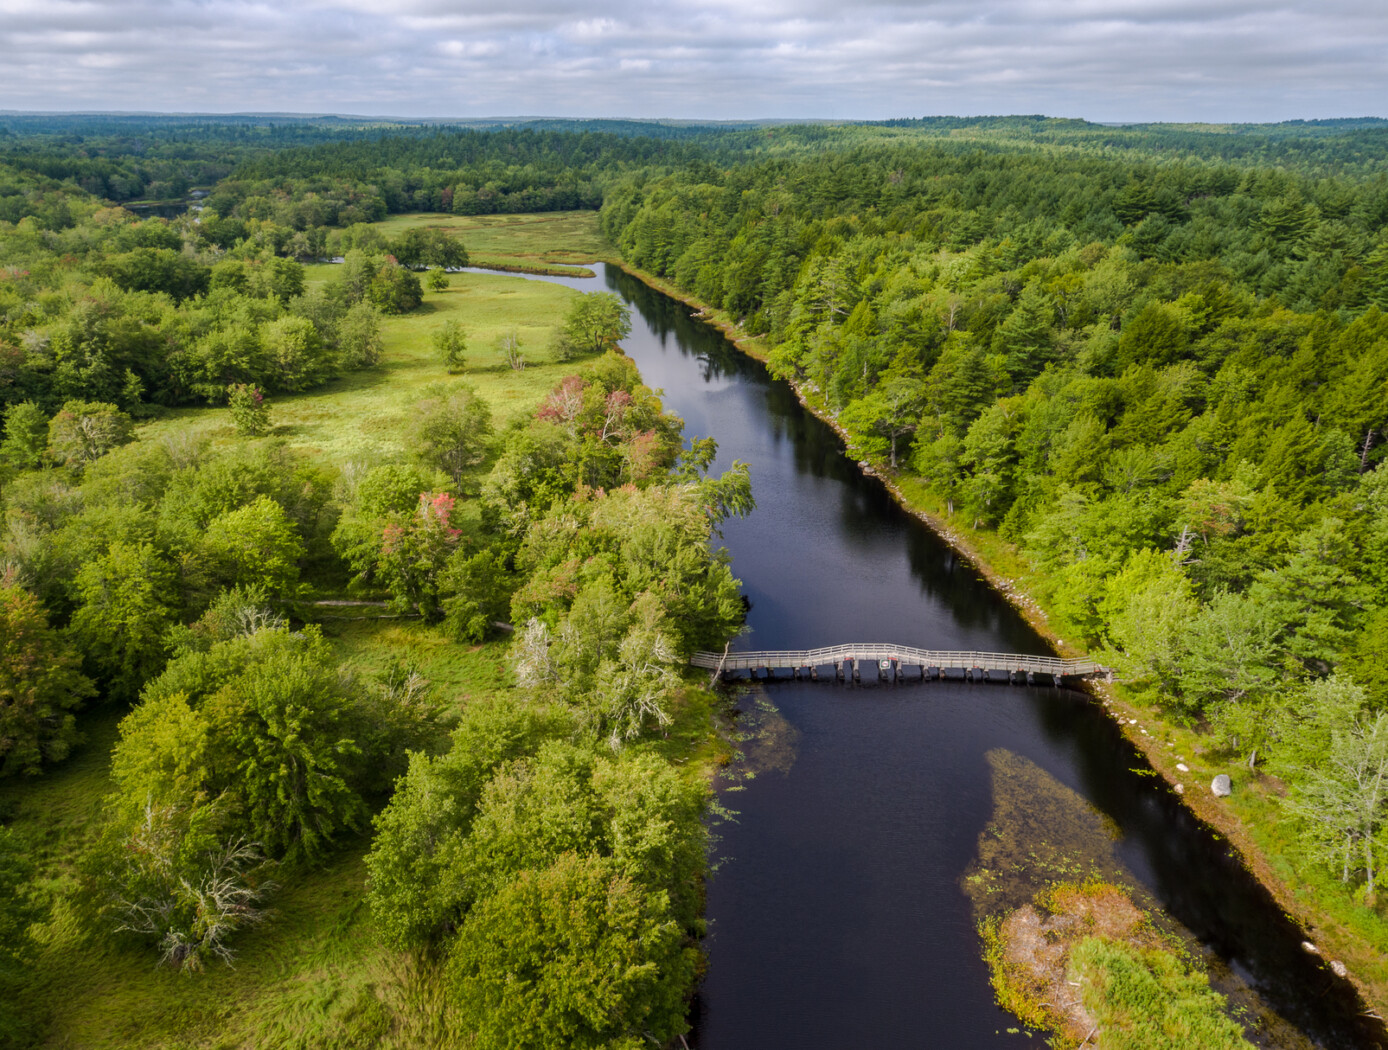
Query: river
[(836, 913)]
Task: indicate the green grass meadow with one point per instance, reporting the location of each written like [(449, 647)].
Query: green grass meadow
[(315, 976), (364, 415)]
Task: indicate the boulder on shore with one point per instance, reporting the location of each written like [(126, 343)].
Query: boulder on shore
[(1222, 786)]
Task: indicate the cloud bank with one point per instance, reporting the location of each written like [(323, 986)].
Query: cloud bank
[(1113, 60)]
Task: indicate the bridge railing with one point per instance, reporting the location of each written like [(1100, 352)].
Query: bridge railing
[(901, 654)]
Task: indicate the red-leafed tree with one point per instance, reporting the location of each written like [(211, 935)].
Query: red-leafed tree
[(415, 549)]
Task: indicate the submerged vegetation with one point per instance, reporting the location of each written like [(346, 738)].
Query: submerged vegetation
[(1076, 947)]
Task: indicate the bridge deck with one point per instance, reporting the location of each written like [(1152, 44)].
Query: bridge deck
[(900, 654)]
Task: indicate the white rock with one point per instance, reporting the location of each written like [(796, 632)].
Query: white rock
[(1180, 789), (1222, 786), (1339, 968), (1183, 767), (1308, 947), (1132, 721)]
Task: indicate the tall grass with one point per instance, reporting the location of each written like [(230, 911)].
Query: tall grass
[(543, 239), (1145, 999)]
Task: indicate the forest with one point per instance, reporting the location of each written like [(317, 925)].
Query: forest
[(1161, 381), (1153, 361)]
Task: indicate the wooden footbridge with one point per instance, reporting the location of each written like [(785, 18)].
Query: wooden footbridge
[(890, 663)]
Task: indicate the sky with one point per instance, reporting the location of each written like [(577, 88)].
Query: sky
[(1103, 60)]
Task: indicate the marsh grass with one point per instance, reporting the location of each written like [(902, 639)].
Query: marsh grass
[(1148, 999), (541, 239), (457, 673)]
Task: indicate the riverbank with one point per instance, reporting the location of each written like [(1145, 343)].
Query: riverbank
[(1333, 927)]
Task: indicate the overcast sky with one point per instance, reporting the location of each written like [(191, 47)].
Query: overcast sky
[(1107, 60)]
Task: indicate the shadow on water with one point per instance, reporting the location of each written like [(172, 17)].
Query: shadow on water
[(837, 915)]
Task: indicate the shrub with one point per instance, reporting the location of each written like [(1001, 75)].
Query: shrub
[(171, 877), (249, 412), (1147, 1000)]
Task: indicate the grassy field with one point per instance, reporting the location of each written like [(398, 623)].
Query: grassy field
[(544, 240), (316, 976), (362, 416)]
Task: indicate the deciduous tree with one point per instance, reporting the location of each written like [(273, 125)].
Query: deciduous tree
[(82, 431), (249, 412), (41, 685), (451, 346), (595, 323), (576, 955), (127, 603), (452, 432)]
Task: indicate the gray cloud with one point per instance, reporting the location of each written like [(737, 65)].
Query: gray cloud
[(1100, 59)]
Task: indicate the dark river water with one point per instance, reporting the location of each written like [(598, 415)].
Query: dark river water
[(836, 913)]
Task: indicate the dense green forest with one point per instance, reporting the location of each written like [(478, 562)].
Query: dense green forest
[(128, 158), (1162, 379), (1152, 359)]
